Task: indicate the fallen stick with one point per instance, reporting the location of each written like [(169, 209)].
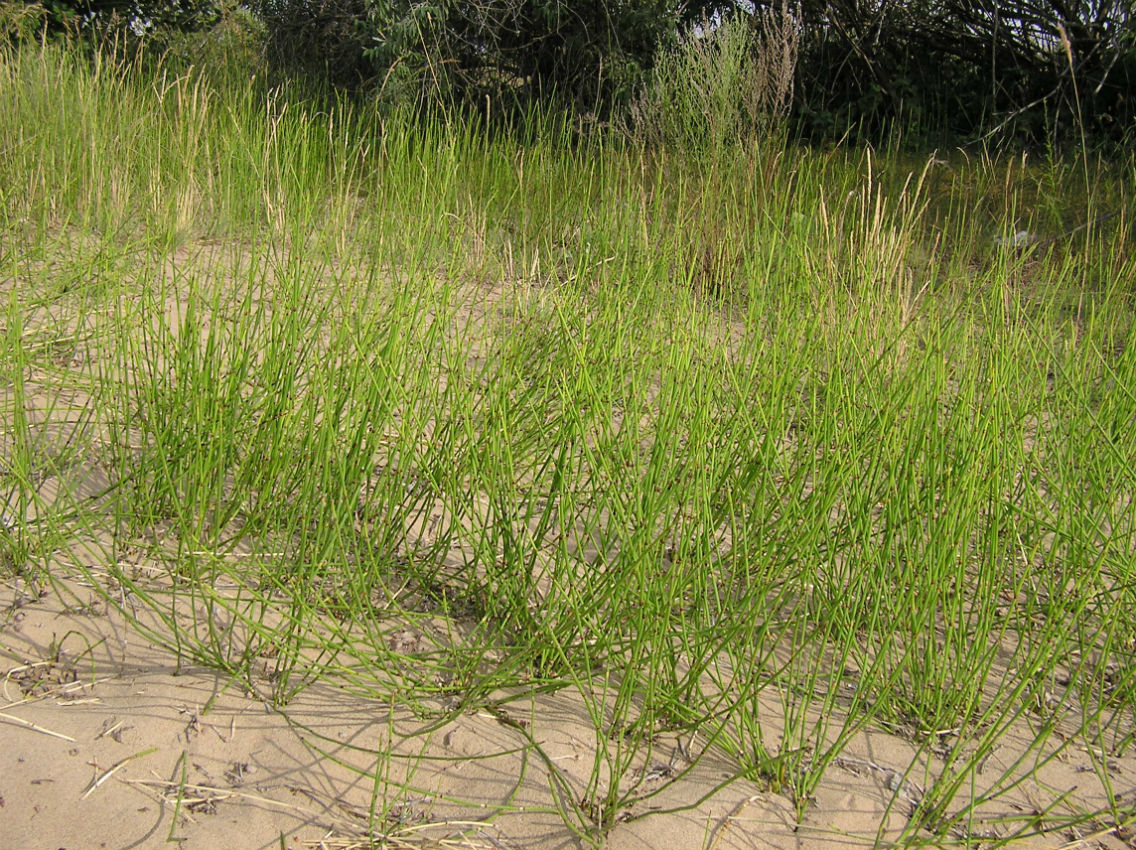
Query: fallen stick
[(35, 727)]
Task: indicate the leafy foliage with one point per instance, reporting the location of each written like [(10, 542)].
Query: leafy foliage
[(326, 39), (146, 14), (588, 54), (939, 71)]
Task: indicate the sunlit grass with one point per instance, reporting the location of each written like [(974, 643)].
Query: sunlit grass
[(761, 453)]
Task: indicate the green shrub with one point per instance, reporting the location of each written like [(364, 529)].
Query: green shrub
[(720, 85)]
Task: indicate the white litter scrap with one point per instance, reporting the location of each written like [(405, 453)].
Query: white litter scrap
[(1021, 239)]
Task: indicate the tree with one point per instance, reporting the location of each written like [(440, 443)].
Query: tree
[(966, 67)]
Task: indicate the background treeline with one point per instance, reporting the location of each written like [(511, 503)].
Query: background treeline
[(933, 71)]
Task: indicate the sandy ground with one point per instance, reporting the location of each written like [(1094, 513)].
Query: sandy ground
[(105, 742)]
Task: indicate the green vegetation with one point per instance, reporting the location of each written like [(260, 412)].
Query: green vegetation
[(762, 448), (934, 74)]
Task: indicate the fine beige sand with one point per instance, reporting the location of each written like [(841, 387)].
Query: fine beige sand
[(105, 742)]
